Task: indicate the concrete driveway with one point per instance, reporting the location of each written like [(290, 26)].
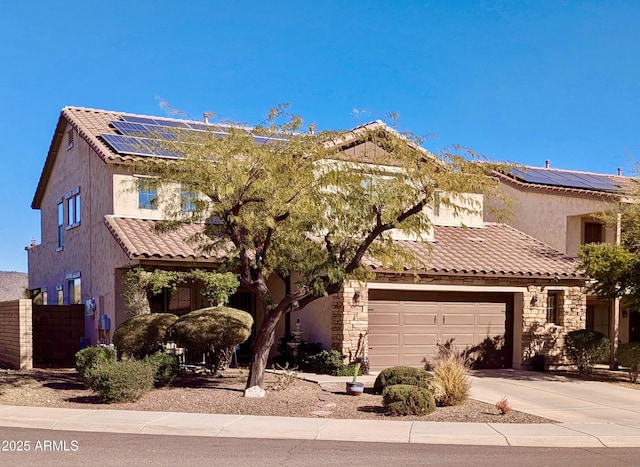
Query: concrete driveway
[(557, 397)]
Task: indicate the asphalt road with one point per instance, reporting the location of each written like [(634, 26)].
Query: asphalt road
[(67, 448)]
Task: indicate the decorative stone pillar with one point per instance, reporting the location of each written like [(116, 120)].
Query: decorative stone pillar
[(349, 318)]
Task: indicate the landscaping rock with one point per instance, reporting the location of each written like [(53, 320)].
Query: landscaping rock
[(254, 391)]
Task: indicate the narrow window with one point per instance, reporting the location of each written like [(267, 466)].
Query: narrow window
[(60, 225), (147, 194), (593, 232), (73, 210), (60, 294), (74, 286), (553, 307), (187, 200)]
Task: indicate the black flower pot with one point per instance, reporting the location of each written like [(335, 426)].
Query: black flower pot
[(537, 363)]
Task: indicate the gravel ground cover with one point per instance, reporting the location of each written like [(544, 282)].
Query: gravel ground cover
[(223, 393)]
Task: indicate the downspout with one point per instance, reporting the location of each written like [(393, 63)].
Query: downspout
[(616, 306)]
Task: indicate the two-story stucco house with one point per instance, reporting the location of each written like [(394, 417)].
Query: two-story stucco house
[(561, 208), (484, 279)]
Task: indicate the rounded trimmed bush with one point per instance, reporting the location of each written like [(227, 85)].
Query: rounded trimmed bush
[(406, 399), (628, 355), (401, 375), (214, 330), (142, 335), (89, 357), (165, 368), (121, 381), (585, 348)]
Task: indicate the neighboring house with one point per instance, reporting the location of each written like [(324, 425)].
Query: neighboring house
[(561, 208), (484, 280), (13, 285)]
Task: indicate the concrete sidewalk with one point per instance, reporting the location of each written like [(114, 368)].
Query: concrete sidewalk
[(592, 414), (387, 431)]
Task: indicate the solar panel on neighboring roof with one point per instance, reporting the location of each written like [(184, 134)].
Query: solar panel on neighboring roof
[(566, 179)]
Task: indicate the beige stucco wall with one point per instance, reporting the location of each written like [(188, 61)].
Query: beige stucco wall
[(89, 248), (555, 218)]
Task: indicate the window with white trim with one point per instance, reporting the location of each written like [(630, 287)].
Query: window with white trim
[(187, 200), (147, 194), (73, 208), (553, 307), (60, 225)]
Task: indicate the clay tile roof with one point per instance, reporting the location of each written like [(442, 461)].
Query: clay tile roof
[(139, 240), (13, 285), (494, 250)]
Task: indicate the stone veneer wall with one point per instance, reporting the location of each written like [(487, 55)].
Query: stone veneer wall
[(538, 336), (16, 338), (350, 313), (349, 318)]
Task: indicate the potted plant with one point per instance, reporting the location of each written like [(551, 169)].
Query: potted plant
[(355, 387)]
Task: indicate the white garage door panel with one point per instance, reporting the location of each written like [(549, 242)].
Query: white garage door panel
[(461, 340), (428, 319), (384, 339), (405, 333), (387, 318), (420, 339), (450, 319)]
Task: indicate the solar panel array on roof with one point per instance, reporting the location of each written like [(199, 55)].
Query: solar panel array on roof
[(136, 146), (143, 135), (566, 179)]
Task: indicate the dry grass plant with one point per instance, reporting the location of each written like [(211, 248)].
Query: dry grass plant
[(503, 406), (450, 384)]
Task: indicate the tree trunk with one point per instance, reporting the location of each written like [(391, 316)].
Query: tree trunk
[(261, 347)]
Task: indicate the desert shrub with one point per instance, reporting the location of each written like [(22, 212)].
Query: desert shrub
[(142, 335), (628, 355), (215, 331), (325, 362), (585, 348), (406, 399), (348, 370), (401, 375), (121, 381), (450, 383), (89, 357), (165, 368)]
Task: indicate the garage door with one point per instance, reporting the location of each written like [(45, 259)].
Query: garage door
[(406, 331)]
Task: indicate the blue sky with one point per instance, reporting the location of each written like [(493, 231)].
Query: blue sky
[(522, 81)]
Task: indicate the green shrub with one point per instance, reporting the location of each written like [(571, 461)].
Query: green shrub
[(586, 348), (214, 331), (142, 335), (348, 370), (450, 384), (326, 362), (401, 375), (165, 368), (406, 399), (121, 381), (89, 357), (628, 355)]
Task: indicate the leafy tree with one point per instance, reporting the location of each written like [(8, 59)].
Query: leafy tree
[(275, 199), (138, 283)]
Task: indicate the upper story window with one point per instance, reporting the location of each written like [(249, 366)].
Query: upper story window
[(553, 308), (593, 232), (147, 194), (60, 224), (188, 200), (73, 208)]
